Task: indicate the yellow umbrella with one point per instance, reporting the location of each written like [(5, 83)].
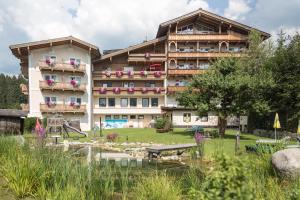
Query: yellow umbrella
[(276, 123)]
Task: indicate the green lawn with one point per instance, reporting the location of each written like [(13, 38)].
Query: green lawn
[(148, 135)]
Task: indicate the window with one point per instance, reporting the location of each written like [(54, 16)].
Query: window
[(187, 117), (102, 102), (107, 117), (124, 117), (107, 84), (133, 102), (150, 84), (132, 117), (204, 118), (50, 77), (75, 78), (111, 102), (154, 102), (75, 61), (75, 100), (141, 117), (145, 102), (50, 99), (124, 102), (128, 84), (116, 116)]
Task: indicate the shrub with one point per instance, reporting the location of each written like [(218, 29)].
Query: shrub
[(160, 123), (157, 187), (29, 124), (229, 180), (112, 137)]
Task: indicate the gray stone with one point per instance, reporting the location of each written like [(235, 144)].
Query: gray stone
[(287, 162)]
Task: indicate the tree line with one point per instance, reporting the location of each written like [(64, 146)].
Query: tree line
[(264, 81), (10, 93)]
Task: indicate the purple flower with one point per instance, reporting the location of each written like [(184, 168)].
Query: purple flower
[(198, 138)]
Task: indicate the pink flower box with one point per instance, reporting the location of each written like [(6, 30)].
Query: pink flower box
[(157, 90), (117, 90), (119, 74), (50, 82), (157, 74), (144, 90), (130, 90), (102, 91)]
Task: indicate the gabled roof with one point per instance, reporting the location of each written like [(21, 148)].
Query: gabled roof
[(131, 48), (21, 50), (163, 27)]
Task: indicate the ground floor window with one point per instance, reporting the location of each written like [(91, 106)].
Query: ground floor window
[(116, 116), (107, 117), (145, 102), (124, 117), (124, 102), (102, 102), (187, 117), (111, 102), (133, 102), (154, 102), (141, 116), (204, 118), (132, 117)]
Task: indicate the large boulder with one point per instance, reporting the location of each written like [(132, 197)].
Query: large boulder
[(287, 162)]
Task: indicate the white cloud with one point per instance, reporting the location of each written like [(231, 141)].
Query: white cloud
[(237, 9), (96, 20)]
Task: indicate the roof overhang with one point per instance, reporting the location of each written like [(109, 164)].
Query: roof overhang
[(163, 27), (21, 51), (131, 48)]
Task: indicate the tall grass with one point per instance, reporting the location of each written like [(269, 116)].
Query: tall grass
[(44, 173)]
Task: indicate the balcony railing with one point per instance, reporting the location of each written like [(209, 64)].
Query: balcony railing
[(174, 72), (63, 67), (62, 108), (151, 57), (207, 37), (136, 75), (60, 86), (174, 89), (129, 91), (195, 54)]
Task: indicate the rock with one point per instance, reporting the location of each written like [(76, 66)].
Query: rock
[(287, 162)]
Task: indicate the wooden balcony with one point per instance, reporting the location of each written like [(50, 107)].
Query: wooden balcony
[(174, 89), (208, 37), (24, 89), (100, 75), (203, 54), (59, 86), (63, 108), (152, 57), (185, 72), (62, 67), (138, 91)]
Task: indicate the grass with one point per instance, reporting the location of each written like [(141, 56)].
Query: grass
[(179, 135)]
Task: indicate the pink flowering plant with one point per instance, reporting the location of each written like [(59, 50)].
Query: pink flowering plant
[(112, 137), (157, 74), (50, 82), (119, 73), (102, 91), (144, 73), (74, 83), (117, 90), (130, 90), (199, 139), (144, 90), (157, 90), (130, 73)]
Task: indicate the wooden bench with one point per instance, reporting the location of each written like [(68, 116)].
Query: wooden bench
[(156, 150)]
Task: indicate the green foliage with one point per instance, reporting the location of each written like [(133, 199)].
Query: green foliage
[(265, 148), (29, 124), (10, 92), (157, 187), (229, 180), (160, 123)]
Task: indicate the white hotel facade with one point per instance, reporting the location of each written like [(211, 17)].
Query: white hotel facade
[(128, 87)]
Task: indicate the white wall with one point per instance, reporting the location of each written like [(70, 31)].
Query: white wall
[(177, 118), (63, 54)]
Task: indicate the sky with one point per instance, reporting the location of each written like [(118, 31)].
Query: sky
[(111, 24)]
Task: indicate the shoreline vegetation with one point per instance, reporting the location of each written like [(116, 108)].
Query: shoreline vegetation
[(29, 171)]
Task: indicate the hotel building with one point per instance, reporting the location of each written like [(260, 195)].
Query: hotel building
[(128, 87)]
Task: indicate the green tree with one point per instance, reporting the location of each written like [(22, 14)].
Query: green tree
[(233, 86)]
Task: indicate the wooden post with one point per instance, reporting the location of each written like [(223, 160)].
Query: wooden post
[(237, 142)]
